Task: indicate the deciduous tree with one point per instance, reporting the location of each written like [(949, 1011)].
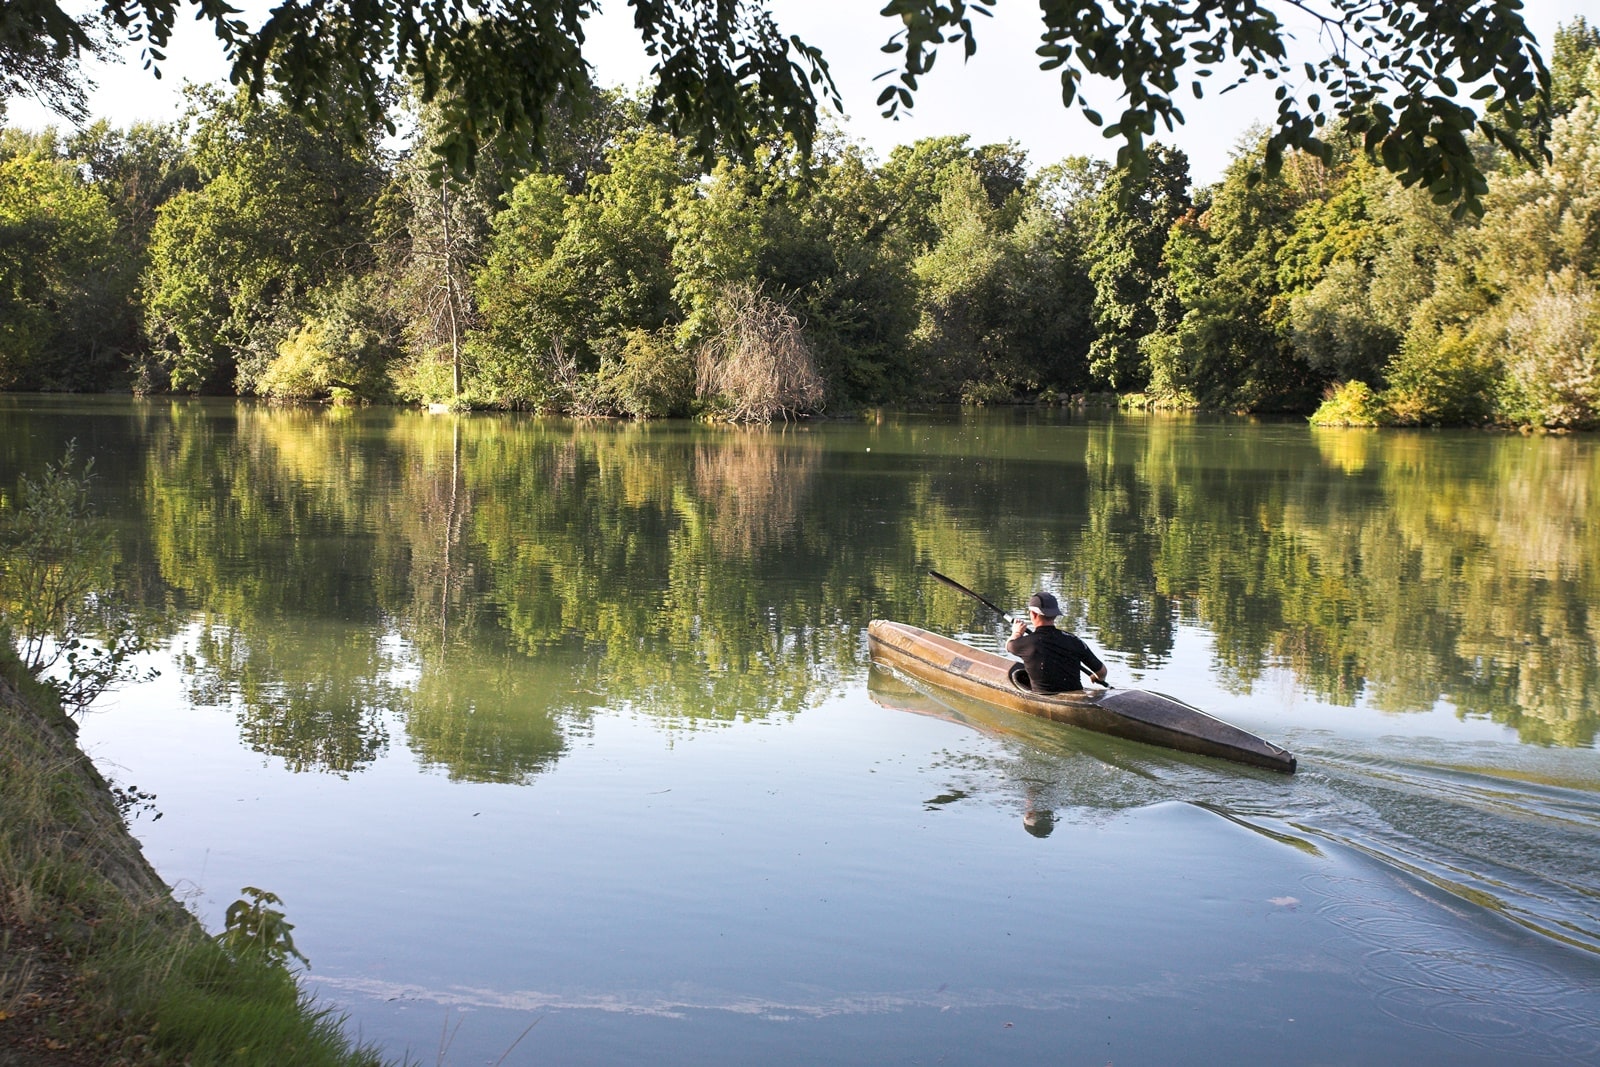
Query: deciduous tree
[(1572, 58), (1231, 348), (60, 286), (281, 210), (1132, 217), (568, 278)]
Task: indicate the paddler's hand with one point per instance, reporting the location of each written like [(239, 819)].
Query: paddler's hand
[(1018, 628)]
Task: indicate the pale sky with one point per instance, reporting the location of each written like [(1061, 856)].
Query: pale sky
[(1000, 95)]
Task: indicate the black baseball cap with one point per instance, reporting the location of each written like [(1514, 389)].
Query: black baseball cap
[(1045, 604)]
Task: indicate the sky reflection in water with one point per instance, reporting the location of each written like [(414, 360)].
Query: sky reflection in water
[(531, 721)]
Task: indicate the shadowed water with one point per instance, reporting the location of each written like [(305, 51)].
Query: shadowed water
[(572, 725)]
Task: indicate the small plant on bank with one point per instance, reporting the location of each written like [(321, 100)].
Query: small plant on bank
[(252, 927), (132, 802)]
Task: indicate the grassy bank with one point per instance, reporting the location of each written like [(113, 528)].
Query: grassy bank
[(98, 963)]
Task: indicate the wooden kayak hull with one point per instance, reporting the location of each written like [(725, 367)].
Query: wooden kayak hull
[(1135, 714)]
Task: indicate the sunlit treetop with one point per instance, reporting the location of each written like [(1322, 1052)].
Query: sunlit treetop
[(1411, 78)]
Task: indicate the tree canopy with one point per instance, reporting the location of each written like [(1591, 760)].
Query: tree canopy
[(1410, 78)]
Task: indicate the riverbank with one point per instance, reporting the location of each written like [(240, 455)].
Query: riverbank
[(98, 963)]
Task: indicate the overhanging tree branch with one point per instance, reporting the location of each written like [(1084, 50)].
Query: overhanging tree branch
[(1411, 78), (726, 78)]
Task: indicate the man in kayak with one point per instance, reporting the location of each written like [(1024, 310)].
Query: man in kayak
[(1051, 658)]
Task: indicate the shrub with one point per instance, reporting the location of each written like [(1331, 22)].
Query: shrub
[(301, 369), (982, 394), (1450, 380), (757, 365), (1552, 357), (423, 380), (650, 378), (341, 352), (1163, 354), (1352, 404)]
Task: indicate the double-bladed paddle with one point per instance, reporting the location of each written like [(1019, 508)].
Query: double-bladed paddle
[(958, 587)]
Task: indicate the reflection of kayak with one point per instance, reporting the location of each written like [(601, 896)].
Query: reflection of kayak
[(1131, 713)]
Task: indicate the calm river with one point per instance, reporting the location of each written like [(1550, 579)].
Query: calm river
[(561, 745)]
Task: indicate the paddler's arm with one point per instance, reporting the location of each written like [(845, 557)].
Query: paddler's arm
[(1096, 670), (1018, 628)]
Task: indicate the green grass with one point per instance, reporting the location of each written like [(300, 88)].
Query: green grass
[(98, 959)]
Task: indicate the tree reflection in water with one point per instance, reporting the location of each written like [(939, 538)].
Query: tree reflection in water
[(484, 583)]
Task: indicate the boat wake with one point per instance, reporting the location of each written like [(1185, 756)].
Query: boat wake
[(1494, 843), (1502, 845)]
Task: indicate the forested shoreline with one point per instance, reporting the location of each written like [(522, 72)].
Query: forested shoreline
[(242, 251)]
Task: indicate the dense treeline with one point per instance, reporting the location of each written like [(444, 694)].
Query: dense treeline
[(243, 251)]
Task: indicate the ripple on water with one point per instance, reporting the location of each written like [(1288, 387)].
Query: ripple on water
[(1527, 852), (1431, 969)]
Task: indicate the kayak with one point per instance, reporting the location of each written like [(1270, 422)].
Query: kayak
[(1135, 714)]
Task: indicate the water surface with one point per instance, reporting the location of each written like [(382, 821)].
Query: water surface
[(571, 726)]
